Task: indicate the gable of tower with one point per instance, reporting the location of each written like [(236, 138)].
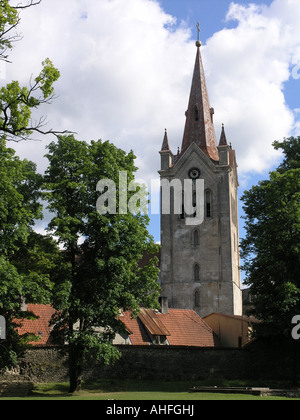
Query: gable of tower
[(194, 157)]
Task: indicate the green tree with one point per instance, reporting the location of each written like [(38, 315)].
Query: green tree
[(271, 246), (18, 102), (27, 260), (291, 149), (102, 252), (25, 265), (9, 20)]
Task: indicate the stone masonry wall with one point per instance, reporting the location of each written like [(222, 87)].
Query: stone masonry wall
[(257, 362)]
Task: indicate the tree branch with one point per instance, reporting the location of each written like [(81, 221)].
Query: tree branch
[(25, 133), (9, 21), (32, 3)]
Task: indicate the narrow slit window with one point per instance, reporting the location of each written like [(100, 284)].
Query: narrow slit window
[(182, 216), (196, 272), (195, 203), (194, 199), (197, 112), (196, 238), (208, 204), (197, 299)]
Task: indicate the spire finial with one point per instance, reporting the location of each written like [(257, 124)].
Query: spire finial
[(198, 43)]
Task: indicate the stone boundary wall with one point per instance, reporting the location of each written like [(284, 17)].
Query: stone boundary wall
[(259, 361)]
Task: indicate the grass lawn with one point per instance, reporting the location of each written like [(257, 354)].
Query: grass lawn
[(126, 390)]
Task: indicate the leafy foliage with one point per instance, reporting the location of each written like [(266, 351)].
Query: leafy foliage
[(26, 258), (17, 103), (271, 247), (101, 251), (9, 20)]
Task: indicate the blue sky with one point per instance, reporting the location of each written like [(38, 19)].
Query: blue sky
[(126, 68), (210, 13)]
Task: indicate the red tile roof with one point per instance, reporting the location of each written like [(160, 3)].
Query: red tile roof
[(40, 326), (188, 329), (138, 335), (185, 327), (182, 327)]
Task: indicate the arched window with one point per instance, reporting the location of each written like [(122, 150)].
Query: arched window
[(208, 204), (196, 237), (196, 272), (197, 299)]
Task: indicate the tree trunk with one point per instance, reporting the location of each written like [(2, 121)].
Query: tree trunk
[(295, 351), (75, 362), (75, 370)]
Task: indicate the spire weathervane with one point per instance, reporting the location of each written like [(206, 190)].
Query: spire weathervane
[(198, 43)]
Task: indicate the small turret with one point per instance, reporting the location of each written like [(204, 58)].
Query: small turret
[(224, 149), (166, 154), (223, 139)]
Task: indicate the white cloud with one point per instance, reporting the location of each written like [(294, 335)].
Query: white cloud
[(126, 71), (122, 71), (253, 62)]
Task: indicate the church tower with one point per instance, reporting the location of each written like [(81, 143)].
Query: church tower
[(200, 261)]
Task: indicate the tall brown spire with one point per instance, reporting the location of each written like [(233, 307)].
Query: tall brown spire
[(199, 127)]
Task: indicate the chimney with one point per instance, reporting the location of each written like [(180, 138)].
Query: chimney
[(164, 304)]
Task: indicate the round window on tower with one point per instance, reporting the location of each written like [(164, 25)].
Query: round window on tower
[(194, 173)]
